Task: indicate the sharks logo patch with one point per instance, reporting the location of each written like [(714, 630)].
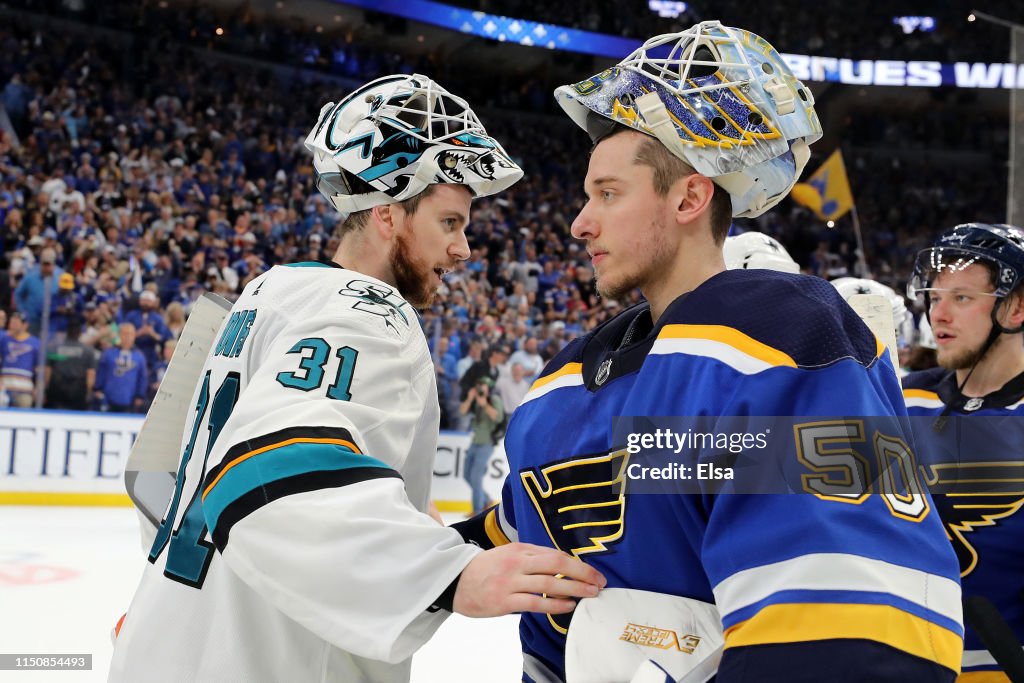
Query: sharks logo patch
[(376, 299)]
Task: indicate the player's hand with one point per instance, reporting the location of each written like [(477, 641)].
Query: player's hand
[(520, 577)]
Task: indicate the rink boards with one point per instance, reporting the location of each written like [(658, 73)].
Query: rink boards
[(70, 458)]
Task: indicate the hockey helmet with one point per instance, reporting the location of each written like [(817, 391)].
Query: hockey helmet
[(999, 246), (397, 135), (757, 250), (719, 98)]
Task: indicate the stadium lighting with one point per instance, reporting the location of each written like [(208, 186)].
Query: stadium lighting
[(219, 31), (909, 24), (992, 19), (667, 8)]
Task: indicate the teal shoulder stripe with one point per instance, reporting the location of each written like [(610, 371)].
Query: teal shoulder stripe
[(278, 464), (306, 264)]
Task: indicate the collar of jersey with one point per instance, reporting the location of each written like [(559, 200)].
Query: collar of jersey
[(1010, 393)]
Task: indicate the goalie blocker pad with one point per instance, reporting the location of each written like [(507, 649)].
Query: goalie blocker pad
[(625, 635), (152, 465), (876, 312)]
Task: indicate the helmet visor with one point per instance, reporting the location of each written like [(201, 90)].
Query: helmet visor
[(934, 261)]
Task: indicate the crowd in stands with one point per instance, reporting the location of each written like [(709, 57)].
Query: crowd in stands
[(138, 174), (829, 29)]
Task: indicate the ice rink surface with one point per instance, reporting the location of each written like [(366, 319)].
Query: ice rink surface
[(67, 574)]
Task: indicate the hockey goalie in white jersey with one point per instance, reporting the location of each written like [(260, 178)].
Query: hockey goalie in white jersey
[(295, 546)]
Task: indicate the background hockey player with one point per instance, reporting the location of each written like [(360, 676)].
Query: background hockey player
[(693, 129), (757, 250), (971, 279), (295, 547)]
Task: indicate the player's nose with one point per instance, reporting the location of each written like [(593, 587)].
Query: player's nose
[(459, 250), (584, 226)]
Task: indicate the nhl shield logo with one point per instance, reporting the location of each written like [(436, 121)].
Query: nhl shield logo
[(973, 404), (603, 372)]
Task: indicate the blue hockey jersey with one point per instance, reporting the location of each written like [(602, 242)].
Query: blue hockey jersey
[(975, 462), (848, 587)]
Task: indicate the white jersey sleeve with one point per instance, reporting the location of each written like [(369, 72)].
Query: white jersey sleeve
[(318, 416)]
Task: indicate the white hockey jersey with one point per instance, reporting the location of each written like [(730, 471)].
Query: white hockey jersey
[(294, 547)]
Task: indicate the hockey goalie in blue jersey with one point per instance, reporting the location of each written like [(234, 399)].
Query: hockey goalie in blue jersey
[(969, 421), (837, 585)]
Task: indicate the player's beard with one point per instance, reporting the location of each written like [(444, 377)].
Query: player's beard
[(964, 360), (415, 281), (658, 258)]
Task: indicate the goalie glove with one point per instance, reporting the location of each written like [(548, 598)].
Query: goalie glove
[(650, 672), (633, 636)]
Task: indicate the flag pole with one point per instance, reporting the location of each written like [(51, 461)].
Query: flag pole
[(862, 257)]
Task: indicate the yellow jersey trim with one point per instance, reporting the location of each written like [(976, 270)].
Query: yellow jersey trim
[(792, 623), (731, 337), (493, 529), (567, 369), (921, 393)]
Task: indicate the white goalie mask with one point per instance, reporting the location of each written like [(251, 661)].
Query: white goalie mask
[(757, 250), (719, 98), (390, 139)]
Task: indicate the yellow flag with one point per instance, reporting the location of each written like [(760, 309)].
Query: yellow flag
[(827, 192)]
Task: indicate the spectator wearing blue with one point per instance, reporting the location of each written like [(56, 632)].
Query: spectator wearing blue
[(29, 295), (16, 96), (65, 305), (19, 356), (151, 330), (528, 358), (447, 383), (122, 383), (160, 369)]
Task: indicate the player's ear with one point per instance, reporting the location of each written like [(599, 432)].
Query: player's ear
[(691, 197), (384, 220), (1014, 308)]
